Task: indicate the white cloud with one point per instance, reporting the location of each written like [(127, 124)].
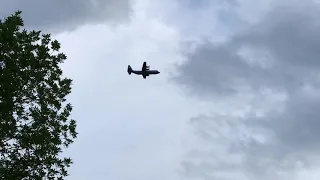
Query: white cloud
[(129, 127)]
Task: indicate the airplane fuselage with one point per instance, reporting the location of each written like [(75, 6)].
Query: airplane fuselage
[(146, 73)]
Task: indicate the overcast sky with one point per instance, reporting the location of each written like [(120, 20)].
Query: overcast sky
[(237, 97)]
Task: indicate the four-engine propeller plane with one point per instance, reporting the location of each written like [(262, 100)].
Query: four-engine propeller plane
[(145, 71)]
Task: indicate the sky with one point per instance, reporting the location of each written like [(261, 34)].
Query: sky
[(237, 97)]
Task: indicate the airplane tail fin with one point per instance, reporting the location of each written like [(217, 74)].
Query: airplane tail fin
[(129, 69)]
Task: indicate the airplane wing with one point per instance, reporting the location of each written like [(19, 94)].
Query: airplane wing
[(144, 66)]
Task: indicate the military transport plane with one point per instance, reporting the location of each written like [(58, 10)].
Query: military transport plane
[(145, 71)]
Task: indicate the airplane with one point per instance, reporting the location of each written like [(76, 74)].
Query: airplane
[(145, 71)]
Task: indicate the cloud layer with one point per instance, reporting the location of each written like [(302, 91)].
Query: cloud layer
[(278, 55), (260, 86), (57, 16)]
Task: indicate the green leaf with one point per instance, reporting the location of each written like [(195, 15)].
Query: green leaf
[(55, 45)]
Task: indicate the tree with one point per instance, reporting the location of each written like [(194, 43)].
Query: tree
[(34, 114)]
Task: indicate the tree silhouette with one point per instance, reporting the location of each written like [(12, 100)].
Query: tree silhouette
[(34, 115)]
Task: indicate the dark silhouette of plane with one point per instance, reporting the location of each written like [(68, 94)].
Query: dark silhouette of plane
[(145, 71)]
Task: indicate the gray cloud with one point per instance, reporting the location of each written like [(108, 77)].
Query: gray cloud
[(294, 132), (67, 15), (287, 41), (282, 54)]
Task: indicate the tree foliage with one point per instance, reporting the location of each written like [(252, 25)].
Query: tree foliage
[(34, 114)]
